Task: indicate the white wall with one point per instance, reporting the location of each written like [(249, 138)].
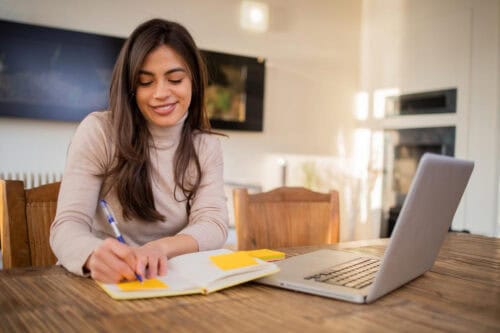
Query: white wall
[(484, 133), (311, 51), (424, 45), (497, 231)]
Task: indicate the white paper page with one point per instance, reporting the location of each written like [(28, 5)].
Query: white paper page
[(198, 268)]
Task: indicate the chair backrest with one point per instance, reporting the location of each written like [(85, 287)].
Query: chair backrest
[(284, 217), (25, 219)]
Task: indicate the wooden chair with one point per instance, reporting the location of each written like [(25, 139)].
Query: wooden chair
[(284, 217), (25, 219)]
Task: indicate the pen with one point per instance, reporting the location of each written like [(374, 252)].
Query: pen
[(112, 222)]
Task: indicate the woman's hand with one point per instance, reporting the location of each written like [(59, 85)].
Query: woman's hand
[(113, 261), (150, 260)]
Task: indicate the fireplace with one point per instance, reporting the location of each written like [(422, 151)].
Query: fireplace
[(403, 147), (402, 152)]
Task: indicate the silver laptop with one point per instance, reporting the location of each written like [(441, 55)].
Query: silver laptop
[(418, 235)]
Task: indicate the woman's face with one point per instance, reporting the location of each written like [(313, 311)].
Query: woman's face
[(164, 89)]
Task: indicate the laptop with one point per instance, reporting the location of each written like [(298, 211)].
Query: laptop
[(420, 230)]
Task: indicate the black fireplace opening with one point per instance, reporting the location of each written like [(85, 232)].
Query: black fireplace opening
[(402, 152)]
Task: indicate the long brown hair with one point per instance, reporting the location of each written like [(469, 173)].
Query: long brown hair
[(131, 170)]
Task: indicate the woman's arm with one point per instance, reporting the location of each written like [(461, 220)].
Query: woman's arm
[(71, 238), (208, 219)]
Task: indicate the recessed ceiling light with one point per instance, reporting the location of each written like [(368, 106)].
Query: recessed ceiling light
[(254, 16)]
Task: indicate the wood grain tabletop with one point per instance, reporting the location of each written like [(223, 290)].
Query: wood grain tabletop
[(461, 293)]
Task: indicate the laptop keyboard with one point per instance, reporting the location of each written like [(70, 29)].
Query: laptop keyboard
[(357, 273)]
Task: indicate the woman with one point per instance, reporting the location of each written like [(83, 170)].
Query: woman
[(152, 157)]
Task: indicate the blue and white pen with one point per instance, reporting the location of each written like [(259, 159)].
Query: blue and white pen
[(112, 222)]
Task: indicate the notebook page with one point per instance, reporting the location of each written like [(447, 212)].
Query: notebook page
[(198, 268)]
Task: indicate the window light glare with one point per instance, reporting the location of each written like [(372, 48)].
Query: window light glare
[(361, 112), (379, 97)]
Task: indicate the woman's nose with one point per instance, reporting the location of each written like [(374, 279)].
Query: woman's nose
[(162, 90)]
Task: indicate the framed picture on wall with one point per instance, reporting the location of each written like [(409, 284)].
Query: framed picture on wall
[(235, 93), (54, 74)]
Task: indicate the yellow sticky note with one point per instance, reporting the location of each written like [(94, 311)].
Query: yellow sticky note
[(265, 254), (145, 285), (233, 260)]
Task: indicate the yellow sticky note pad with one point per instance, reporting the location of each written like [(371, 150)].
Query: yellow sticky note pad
[(265, 254), (233, 260), (145, 285)]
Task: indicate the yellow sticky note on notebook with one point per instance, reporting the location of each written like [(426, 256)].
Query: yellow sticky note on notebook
[(265, 254), (233, 260), (145, 285)]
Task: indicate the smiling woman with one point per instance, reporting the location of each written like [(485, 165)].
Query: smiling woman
[(164, 91), (152, 157)]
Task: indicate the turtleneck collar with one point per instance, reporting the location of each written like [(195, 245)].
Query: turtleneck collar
[(166, 137)]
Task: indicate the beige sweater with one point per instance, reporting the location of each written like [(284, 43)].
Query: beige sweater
[(80, 226)]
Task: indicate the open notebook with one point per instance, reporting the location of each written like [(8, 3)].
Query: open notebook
[(197, 273)]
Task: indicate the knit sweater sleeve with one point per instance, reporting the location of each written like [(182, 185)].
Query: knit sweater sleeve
[(71, 238), (208, 220)]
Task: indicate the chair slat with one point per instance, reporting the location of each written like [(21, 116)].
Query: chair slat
[(26, 216), (39, 216), (285, 217), (14, 232)]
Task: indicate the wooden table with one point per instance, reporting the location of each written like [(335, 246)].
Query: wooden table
[(461, 294)]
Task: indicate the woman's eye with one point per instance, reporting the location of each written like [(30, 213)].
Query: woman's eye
[(175, 81), (145, 83)]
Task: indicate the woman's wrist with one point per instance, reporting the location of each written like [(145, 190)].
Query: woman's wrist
[(163, 245), (176, 245)]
